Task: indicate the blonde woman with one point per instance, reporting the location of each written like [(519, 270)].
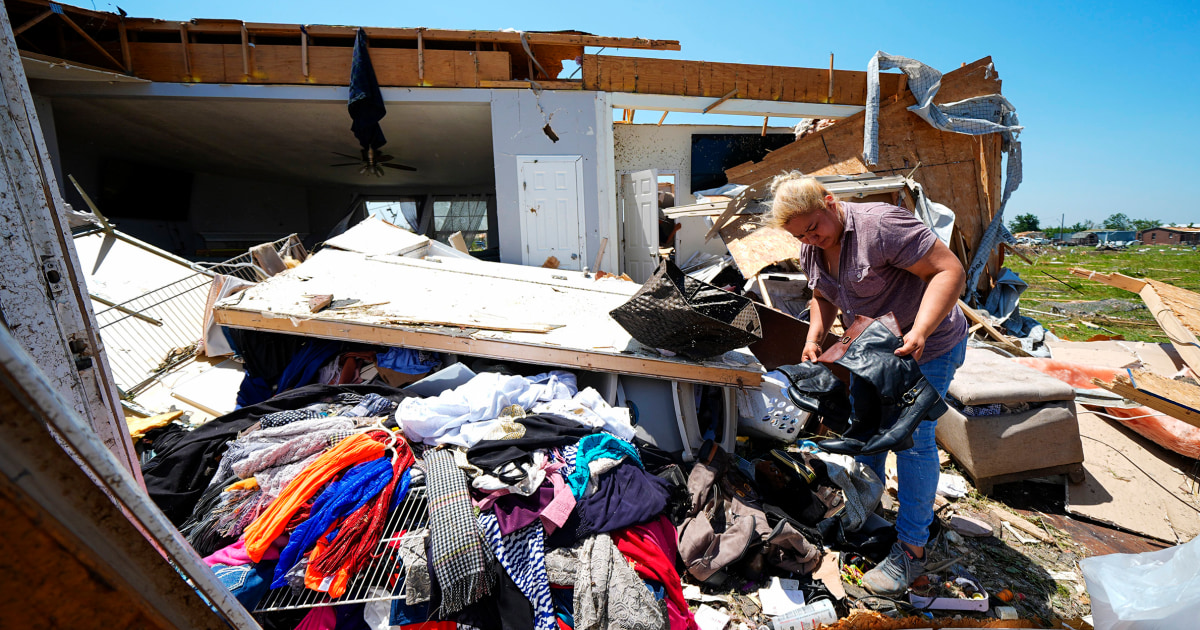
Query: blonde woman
[(870, 259)]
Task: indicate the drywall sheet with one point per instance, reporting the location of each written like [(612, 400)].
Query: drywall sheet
[(1117, 492), (495, 310)]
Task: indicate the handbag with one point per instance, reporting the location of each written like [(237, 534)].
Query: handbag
[(676, 312)]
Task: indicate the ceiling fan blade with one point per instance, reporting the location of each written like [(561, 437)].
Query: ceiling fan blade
[(400, 167), (383, 158), (346, 155), (348, 164)]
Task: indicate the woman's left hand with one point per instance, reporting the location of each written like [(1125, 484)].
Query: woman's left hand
[(914, 344)]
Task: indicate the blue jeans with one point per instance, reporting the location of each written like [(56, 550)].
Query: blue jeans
[(917, 468)]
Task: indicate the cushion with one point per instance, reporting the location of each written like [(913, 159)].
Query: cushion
[(987, 378)]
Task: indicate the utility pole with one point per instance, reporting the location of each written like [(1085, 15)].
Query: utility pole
[(1062, 228)]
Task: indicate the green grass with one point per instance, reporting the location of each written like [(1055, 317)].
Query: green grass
[(1179, 266)]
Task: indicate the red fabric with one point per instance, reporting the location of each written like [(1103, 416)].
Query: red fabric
[(652, 548), (562, 625)]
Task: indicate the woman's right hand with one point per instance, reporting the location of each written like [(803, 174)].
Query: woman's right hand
[(812, 350)]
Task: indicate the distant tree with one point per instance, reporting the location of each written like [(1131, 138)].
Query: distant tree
[(1145, 224), (1117, 221), (1082, 226), (1024, 223)]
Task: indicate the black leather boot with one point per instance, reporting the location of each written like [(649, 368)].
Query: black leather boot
[(815, 389), (890, 394)]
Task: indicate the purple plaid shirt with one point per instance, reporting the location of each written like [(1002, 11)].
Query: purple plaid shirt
[(880, 241)]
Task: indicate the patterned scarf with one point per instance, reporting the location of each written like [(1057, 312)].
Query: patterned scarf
[(458, 556), (523, 556)]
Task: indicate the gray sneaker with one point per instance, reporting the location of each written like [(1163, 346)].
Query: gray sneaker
[(895, 573)]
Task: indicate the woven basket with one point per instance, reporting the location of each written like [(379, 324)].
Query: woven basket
[(676, 312)]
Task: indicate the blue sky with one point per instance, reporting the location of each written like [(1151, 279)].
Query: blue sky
[(1106, 91)]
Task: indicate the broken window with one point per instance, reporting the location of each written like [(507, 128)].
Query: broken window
[(473, 215), (401, 212)]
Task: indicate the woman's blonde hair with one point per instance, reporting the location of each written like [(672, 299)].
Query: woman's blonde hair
[(793, 194)]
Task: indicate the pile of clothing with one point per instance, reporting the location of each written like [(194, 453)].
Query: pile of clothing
[(543, 508)]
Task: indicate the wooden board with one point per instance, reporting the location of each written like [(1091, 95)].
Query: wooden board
[(1116, 492), (1176, 310), (1177, 399), (710, 79), (398, 293), (328, 65), (754, 247)]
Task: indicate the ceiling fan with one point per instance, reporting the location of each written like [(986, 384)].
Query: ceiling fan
[(372, 162)]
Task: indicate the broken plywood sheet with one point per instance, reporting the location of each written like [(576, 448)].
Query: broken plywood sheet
[(400, 299), (376, 236), (755, 247), (1117, 492)]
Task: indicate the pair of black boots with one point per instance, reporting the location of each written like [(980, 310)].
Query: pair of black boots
[(888, 395)]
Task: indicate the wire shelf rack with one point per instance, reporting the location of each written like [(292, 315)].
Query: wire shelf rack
[(377, 581)]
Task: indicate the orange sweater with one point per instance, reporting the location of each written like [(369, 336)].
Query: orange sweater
[(271, 523)]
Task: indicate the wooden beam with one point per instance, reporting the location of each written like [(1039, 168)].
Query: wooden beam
[(523, 84), (304, 52), (600, 255), (732, 93), (1020, 254), (664, 117), (232, 27), (1118, 280), (187, 60), (830, 96), (996, 335), (490, 348), (32, 22), (783, 84), (125, 46), (1177, 399), (88, 38), (421, 56), (764, 127), (245, 51)]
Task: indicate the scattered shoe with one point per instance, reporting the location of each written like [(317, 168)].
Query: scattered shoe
[(895, 573)]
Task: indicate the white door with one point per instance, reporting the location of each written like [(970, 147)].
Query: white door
[(639, 224), (551, 207)]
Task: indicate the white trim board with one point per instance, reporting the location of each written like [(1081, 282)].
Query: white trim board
[(737, 106)]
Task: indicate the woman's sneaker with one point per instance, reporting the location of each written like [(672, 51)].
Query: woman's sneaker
[(895, 573)]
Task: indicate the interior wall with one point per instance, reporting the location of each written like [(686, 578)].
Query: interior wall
[(669, 148), (222, 205), (582, 123)]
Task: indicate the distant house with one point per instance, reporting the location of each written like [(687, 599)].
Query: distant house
[(1171, 236), (1032, 235), (1083, 238)]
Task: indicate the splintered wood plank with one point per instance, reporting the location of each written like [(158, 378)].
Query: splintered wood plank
[(1177, 399), (446, 306), (1176, 310), (1118, 280), (711, 79)]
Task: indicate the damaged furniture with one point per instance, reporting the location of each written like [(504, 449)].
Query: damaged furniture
[(1010, 423)]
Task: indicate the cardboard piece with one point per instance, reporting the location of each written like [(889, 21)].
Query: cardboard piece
[(754, 247), (214, 390), (1160, 358), (1116, 492)]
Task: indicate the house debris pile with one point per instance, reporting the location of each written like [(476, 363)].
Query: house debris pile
[(392, 432)]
